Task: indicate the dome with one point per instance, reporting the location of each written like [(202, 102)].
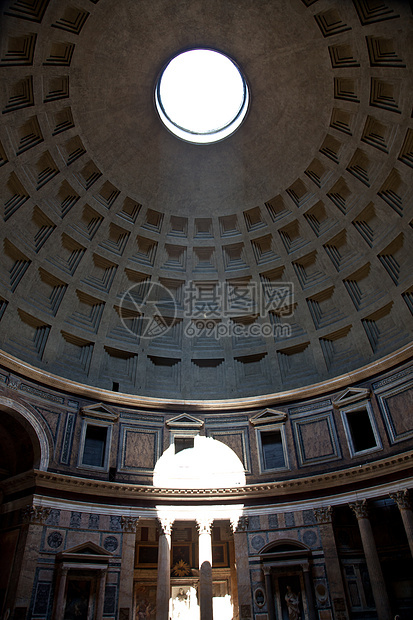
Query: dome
[(206, 377), (280, 255)]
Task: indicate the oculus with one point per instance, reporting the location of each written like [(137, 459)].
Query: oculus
[(201, 96)]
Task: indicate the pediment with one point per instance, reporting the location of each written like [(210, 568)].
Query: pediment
[(185, 421), (100, 411), (87, 550), (268, 416), (351, 395)]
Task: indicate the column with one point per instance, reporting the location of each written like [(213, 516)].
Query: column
[(101, 593), (129, 525), (35, 518), (378, 585), (240, 527), (205, 568), (269, 593), (324, 518), (309, 591), (59, 605), (402, 500), (234, 584), (163, 588)]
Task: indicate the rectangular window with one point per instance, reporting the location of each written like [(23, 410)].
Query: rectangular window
[(183, 443), (360, 427), (272, 450), (361, 432), (95, 446)]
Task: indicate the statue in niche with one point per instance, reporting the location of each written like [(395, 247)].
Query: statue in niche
[(293, 604)]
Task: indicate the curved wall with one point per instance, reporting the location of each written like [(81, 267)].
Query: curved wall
[(344, 430)]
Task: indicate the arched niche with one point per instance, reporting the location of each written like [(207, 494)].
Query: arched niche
[(288, 583)]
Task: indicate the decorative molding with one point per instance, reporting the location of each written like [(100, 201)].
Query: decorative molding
[(360, 509), (36, 514), (351, 395), (268, 416), (397, 432), (99, 411), (13, 384), (129, 524), (204, 524), (165, 525), (311, 407), (360, 475), (324, 422), (30, 372), (85, 551), (239, 524), (393, 378), (324, 514), (184, 421), (402, 499)]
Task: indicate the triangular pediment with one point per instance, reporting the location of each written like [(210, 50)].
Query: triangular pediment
[(185, 421), (89, 550), (100, 411), (268, 416), (351, 395)]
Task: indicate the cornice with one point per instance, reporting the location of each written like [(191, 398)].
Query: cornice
[(328, 483), (13, 364)]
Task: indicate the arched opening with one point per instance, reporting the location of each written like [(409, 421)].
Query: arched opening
[(23, 447), (23, 441), (19, 448)]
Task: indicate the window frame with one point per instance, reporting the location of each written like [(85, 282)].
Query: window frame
[(280, 427), (353, 408), (85, 425), (181, 434)]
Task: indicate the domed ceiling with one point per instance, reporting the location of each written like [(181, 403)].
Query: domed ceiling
[(277, 258)]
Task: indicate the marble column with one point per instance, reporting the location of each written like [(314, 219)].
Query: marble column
[(129, 525), (59, 606), (402, 500), (240, 527), (101, 593), (35, 518), (163, 588), (324, 518), (309, 591), (378, 584), (205, 568), (269, 593)]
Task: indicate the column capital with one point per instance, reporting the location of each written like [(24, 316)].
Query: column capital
[(323, 514), (239, 524), (402, 499), (266, 569), (165, 525), (36, 514), (204, 525), (360, 509), (129, 524)]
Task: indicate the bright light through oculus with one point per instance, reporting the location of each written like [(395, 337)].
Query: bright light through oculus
[(201, 96)]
